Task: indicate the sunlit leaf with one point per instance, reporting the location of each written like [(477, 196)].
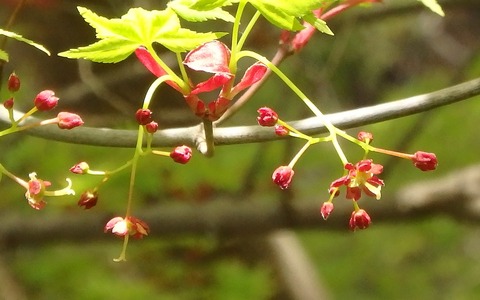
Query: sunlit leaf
[(434, 6), (286, 14), (203, 10), (3, 55), (104, 51), (138, 27), (319, 24), (20, 38)]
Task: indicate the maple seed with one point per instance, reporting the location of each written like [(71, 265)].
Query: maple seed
[(45, 100)]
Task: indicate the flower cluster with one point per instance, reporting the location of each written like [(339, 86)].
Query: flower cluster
[(359, 179)]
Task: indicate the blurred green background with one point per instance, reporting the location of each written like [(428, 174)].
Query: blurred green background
[(378, 54)]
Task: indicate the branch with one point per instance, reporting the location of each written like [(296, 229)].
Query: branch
[(455, 195), (253, 134)]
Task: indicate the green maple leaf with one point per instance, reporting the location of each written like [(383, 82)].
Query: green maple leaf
[(13, 35), (434, 6), (119, 37), (199, 11), (286, 14)]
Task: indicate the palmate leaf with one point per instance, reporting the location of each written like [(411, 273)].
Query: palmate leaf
[(434, 6), (20, 38), (200, 11), (286, 14), (138, 27)]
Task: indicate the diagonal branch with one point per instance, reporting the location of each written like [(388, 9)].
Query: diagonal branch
[(253, 134)]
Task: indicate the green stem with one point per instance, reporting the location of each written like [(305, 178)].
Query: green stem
[(153, 87), (123, 254), (331, 128), (299, 154), (13, 177), (246, 32), (174, 77), (234, 48), (182, 67)]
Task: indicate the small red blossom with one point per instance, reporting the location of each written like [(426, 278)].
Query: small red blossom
[(68, 120), (282, 176), (45, 100), (424, 161), (181, 154), (8, 104), (267, 117), (127, 226), (88, 199), (143, 116), (359, 219), (326, 209), (80, 168), (360, 177), (365, 137), (36, 192), (281, 130), (151, 127), (13, 83)]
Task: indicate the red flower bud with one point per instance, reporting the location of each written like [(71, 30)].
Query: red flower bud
[(181, 154), (143, 116), (8, 104), (365, 137), (424, 161), (152, 127), (80, 168), (45, 100), (267, 117), (281, 130), (282, 176), (359, 219), (88, 199), (327, 208), (13, 83), (68, 120)]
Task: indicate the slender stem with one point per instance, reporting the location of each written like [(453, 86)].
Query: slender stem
[(123, 254), (234, 47), (13, 177), (182, 67), (247, 30), (299, 154), (174, 77), (153, 87)]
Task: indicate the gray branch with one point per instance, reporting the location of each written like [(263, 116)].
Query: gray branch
[(252, 134)]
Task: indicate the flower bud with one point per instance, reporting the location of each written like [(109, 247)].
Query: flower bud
[(424, 161), (282, 176), (88, 199), (267, 117), (326, 209), (281, 130), (80, 168), (152, 127), (143, 116), (8, 104), (13, 83), (181, 154), (359, 219), (68, 120), (365, 137), (45, 100)]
